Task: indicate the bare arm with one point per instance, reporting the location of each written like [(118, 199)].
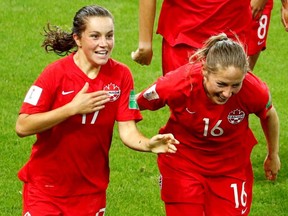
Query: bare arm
[(82, 103), (270, 127), (132, 138), (284, 14), (147, 10)]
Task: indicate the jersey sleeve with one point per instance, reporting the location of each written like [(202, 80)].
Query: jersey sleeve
[(40, 95), (167, 90), (128, 108), (258, 95)]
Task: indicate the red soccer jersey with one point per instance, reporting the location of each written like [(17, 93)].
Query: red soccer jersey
[(259, 30), (72, 157), (193, 21), (214, 139)]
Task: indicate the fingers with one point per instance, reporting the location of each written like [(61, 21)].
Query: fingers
[(170, 138), (142, 58), (88, 102), (170, 141), (135, 57), (85, 88), (270, 175), (172, 148)]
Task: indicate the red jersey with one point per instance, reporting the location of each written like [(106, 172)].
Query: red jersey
[(192, 22), (72, 157), (214, 139), (259, 30)]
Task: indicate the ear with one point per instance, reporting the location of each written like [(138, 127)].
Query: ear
[(77, 40)]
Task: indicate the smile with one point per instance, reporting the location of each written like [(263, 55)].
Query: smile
[(102, 52)]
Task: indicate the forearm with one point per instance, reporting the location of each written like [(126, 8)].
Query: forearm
[(270, 127), (35, 123), (131, 136), (147, 10)]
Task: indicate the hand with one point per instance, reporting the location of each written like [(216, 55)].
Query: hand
[(284, 15), (257, 7), (142, 56), (85, 102), (163, 143), (271, 167)]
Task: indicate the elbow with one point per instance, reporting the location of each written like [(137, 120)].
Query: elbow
[(20, 133)]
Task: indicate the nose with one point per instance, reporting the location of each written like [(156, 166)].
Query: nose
[(103, 41), (227, 92)]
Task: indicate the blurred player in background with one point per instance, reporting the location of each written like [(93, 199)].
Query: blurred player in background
[(185, 25), (261, 12)]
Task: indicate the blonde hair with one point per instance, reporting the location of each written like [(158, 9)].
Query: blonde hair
[(220, 52)]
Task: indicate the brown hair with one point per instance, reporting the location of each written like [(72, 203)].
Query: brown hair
[(62, 42)]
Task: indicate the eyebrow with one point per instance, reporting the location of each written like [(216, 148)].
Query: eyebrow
[(224, 83), (112, 31)]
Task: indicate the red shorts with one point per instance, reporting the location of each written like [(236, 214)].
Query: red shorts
[(205, 196), (37, 203), (259, 31), (174, 57)]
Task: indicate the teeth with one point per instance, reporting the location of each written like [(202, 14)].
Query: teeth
[(101, 52)]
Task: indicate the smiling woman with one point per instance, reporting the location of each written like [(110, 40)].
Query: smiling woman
[(210, 100), (72, 108)]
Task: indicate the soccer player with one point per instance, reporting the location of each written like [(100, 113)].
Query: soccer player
[(72, 108), (186, 24), (261, 12), (210, 100)]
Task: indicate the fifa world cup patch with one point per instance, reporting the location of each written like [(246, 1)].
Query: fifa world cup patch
[(113, 90), (151, 94), (33, 95), (132, 101)]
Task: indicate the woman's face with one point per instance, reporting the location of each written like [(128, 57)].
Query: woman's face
[(220, 86), (97, 41)]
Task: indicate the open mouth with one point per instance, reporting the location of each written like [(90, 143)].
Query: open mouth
[(221, 99), (103, 52)]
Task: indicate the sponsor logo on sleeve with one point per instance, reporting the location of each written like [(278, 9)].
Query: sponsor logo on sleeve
[(132, 101)]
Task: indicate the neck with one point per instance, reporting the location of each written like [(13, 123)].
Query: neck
[(90, 70)]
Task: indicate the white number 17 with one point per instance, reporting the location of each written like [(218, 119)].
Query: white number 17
[(93, 119)]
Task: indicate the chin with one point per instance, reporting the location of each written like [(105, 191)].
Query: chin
[(102, 61), (216, 101)]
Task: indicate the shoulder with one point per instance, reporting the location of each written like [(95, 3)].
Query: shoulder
[(184, 73), (180, 82), (60, 65), (255, 93), (112, 63), (252, 82)]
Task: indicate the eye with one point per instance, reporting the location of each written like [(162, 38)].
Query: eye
[(220, 84), (236, 85), (95, 36), (110, 36)]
